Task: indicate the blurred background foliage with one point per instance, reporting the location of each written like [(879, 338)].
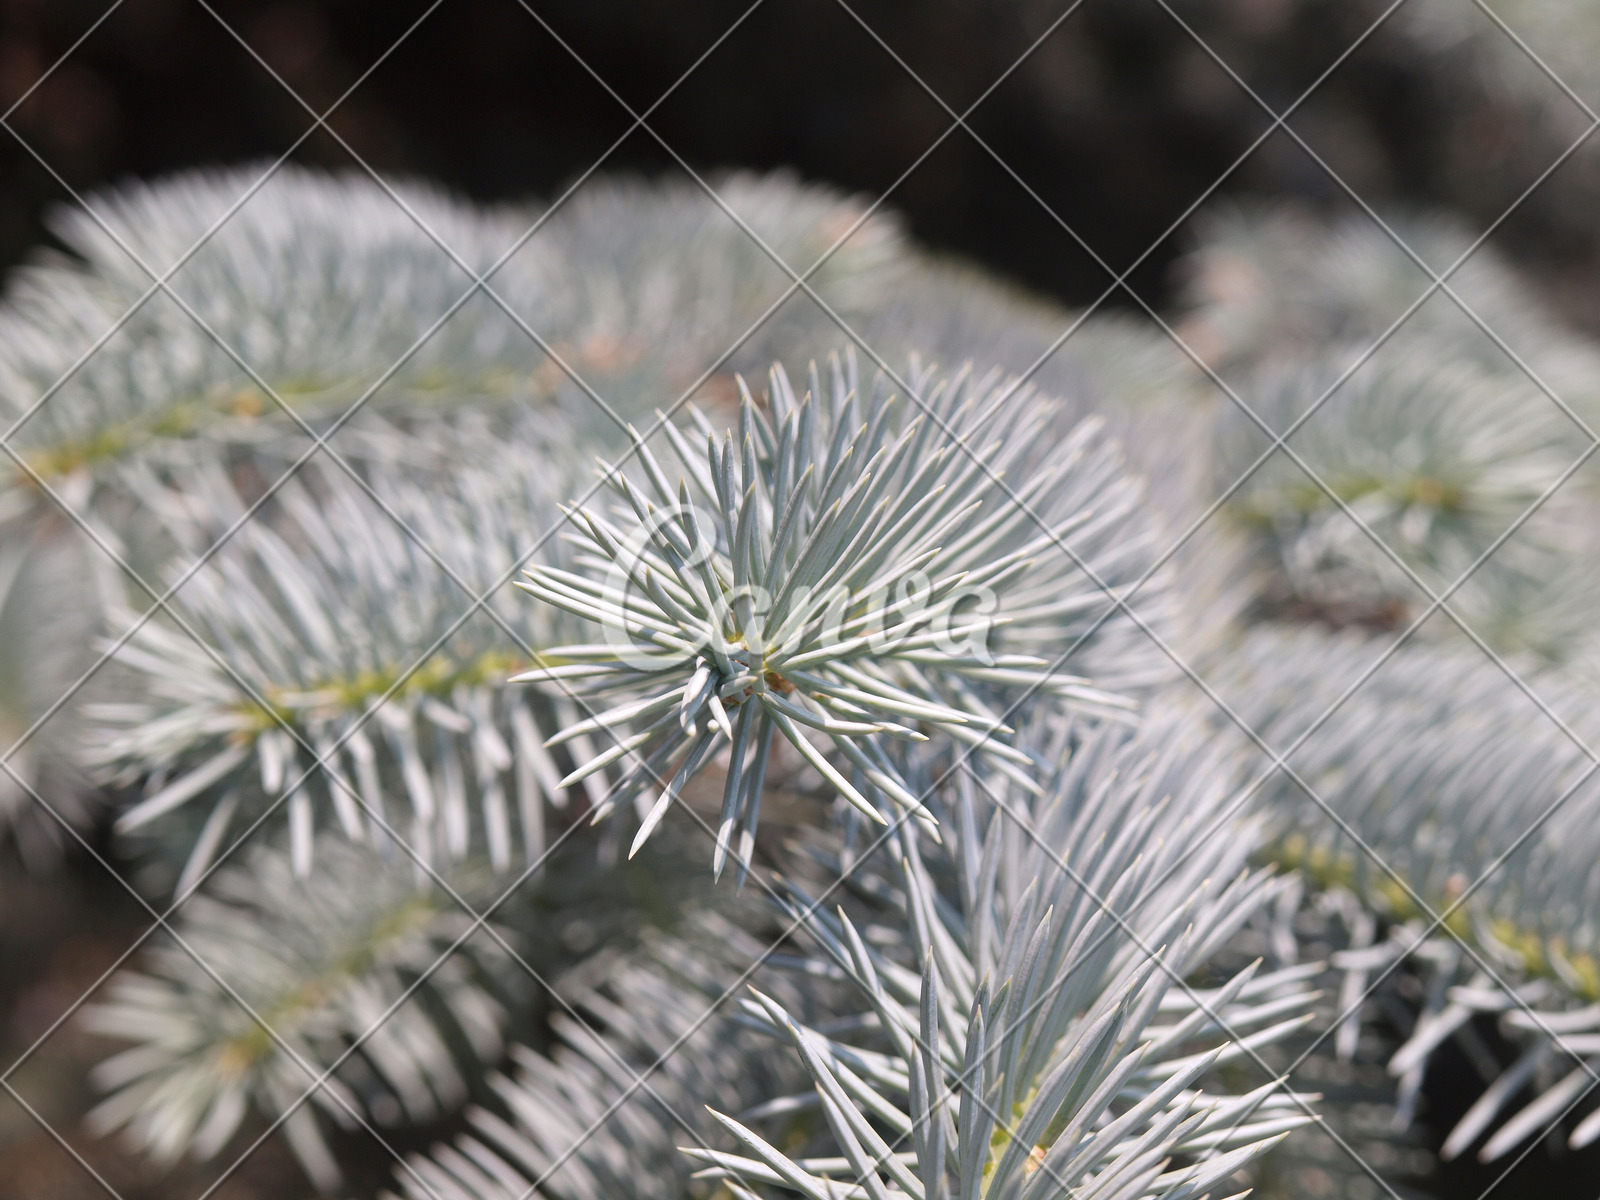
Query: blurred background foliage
[(1121, 124), (1117, 118)]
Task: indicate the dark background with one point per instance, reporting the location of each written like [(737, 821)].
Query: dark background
[(1118, 121)]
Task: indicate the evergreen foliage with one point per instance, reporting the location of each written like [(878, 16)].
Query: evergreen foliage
[(214, 315), (643, 1040), (1417, 470), (377, 1002), (47, 596), (845, 575), (336, 648), (1015, 872), (1447, 787), (1028, 1030)]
